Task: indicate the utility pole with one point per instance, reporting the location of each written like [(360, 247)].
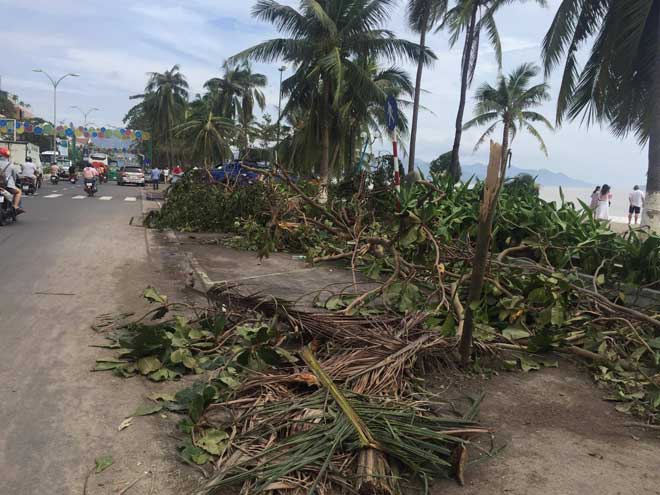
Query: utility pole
[(55, 83), (279, 111)]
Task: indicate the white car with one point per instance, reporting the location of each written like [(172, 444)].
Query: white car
[(130, 175)]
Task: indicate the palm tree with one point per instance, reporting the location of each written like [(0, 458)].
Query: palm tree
[(236, 94), (620, 81), (208, 135), (471, 17), (422, 15), (164, 102), (509, 104), (324, 39)]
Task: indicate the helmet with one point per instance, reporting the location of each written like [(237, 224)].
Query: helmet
[(4, 152)]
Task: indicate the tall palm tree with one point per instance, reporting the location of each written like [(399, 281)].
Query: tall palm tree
[(471, 17), (164, 102), (207, 135), (237, 93), (620, 81), (421, 15), (323, 38), (510, 104)]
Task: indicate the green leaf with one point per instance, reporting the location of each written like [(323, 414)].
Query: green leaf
[(103, 365), (655, 343), (179, 355), (194, 334), (147, 409), (156, 396), (213, 441), (193, 454), (269, 356), (148, 364), (229, 381), (286, 355), (515, 333), (527, 364), (164, 374), (219, 324), (153, 296), (102, 463), (410, 236), (600, 279), (190, 362), (558, 315), (334, 303)]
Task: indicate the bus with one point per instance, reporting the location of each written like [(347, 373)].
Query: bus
[(98, 157)]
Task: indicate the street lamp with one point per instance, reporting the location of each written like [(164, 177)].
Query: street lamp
[(279, 110), (55, 83), (85, 114)]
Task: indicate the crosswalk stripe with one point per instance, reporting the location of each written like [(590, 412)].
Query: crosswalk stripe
[(130, 198), (78, 197), (53, 196), (105, 198)]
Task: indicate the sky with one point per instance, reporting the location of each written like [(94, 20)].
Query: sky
[(112, 45)]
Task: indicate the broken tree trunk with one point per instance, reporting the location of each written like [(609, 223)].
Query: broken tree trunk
[(486, 214)]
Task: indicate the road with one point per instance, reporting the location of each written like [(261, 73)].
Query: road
[(68, 259)]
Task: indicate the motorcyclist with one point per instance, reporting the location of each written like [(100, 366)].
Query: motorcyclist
[(72, 171), (29, 170), (90, 173), (54, 169), (10, 173)]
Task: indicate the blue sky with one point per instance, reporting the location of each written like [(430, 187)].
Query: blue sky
[(113, 44)]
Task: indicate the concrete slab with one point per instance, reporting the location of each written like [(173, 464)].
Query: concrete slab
[(281, 275)]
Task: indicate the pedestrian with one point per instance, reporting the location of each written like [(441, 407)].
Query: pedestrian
[(604, 202), (594, 198), (155, 177), (636, 200)]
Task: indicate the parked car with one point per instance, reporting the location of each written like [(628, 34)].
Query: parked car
[(130, 175), (235, 172)]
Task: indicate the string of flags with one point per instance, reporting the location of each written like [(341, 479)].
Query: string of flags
[(71, 130)]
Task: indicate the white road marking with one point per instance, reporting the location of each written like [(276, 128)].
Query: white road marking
[(53, 196), (79, 197), (105, 198), (130, 198)]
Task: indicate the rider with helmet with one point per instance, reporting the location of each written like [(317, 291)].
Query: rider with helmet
[(9, 172)]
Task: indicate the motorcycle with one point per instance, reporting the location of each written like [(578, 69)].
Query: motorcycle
[(90, 188), (54, 178), (7, 210), (73, 179), (28, 185)]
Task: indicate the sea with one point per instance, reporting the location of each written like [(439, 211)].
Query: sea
[(618, 209)]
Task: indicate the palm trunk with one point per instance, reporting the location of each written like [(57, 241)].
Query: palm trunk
[(480, 259), (651, 213), (454, 167), (171, 147), (418, 90), (325, 146)]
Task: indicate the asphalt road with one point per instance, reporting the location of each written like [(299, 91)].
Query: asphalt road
[(66, 260)]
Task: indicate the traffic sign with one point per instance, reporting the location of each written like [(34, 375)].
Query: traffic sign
[(391, 113)]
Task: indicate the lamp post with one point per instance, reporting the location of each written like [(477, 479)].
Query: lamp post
[(55, 83), (279, 111), (85, 114)]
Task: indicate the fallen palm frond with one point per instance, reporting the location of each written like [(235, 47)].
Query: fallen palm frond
[(411, 444)]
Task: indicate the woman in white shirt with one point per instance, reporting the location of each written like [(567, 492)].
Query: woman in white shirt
[(604, 200)]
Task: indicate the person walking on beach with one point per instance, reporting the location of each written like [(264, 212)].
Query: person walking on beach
[(594, 198), (636, 200), (604, 201)]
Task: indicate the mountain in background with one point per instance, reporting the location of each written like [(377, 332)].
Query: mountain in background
[(543, 176)]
